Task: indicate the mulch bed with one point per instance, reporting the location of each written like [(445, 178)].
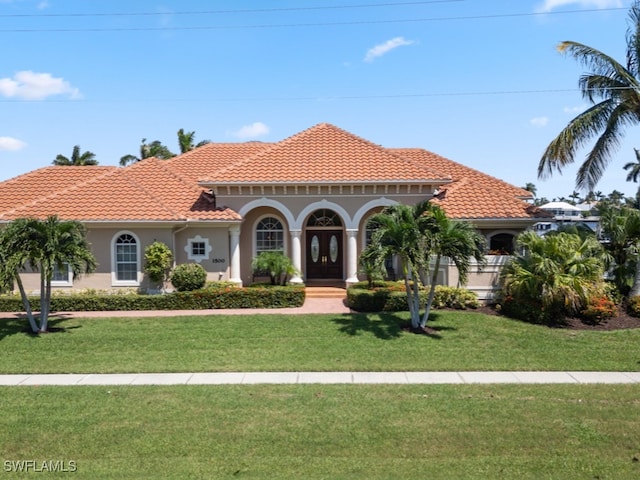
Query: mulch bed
[(621, 321)]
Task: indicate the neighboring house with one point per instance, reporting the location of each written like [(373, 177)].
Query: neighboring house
[(220, 205), (565, 214)]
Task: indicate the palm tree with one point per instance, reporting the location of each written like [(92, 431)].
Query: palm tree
[(634, 168), (186, 141), (77, 159), (620, 230), (575, 197), (531, 188), (616, 197), (44, 245), (401, 232), (147, 150), (618, 90), (62, 245), (458, 241)]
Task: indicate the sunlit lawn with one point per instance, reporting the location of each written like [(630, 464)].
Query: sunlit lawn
[(327, 431), (358, 342)]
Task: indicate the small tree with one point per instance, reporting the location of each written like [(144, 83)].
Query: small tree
[(275, 264), (158, 261)]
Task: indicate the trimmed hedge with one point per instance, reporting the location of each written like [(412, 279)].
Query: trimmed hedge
[(207, 298), (392, 297)]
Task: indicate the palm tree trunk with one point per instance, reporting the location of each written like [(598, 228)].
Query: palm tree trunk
[(44, 314), (413, 310), (26, 304), (635, 288), (432, 292)]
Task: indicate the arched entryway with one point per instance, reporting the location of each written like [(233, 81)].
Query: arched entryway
[(324, 234)]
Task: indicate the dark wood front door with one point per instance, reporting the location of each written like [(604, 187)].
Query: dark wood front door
[(324, 254)]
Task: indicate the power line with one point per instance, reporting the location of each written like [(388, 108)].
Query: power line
[(327, 98), (301, 25), (218, 12)]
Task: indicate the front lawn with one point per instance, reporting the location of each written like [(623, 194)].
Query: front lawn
[(326, 431), (351, 342)]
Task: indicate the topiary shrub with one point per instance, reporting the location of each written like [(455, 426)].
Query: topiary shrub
[(158, 259), (187, 277)]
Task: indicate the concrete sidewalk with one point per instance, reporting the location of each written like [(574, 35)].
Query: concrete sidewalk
[(253, 378)]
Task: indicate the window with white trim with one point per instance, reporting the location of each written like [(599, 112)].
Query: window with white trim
[(198, 249), (126, 258), (63, 276), (269, 235)]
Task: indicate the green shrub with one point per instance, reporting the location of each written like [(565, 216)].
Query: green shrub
[(392, 297), (530, 310), (187, 277), (452, 297), (209, 298), (633, 306)]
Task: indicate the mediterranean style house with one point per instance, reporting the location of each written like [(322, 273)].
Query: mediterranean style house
[(221, 204)]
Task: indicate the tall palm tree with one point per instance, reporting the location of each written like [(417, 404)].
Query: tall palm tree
[(147, 150), (401, 232), (186, 141), (456, 240), (76, 159), (531, 188), (575, 197), (617, 89)]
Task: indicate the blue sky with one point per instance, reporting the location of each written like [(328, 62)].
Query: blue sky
[(478, 81)]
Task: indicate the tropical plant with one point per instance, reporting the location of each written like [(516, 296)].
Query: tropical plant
[(620, 232), (276, 265), (76, 159), (187, 277), (45, 245), (456, 240), (531, 188), (158, 261), (553, 275), (186, 141), (372, 264), (617, 89), (147, 150), (402, 231)]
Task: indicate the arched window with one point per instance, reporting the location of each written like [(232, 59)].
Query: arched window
[(324, 218), (126, 259), (269, 235)]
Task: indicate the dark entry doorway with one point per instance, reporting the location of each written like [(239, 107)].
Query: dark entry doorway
[(324, 254)]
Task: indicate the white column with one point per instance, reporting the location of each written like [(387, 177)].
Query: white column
[(234, 247), (296, 255), (352, 256)]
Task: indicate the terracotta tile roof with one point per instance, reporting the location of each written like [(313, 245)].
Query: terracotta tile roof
[(203, 162), (167, 190), (144, 191), (326, 154), (38, 184), (473, 194), (457, 171)]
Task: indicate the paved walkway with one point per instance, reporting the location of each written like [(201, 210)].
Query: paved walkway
[(253, 378)]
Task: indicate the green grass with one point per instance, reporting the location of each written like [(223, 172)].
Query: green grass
[(361, 342), (327, 431)]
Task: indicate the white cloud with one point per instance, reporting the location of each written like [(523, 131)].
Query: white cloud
[(386, 47), (549, 5), (257, 129), (539, 122), (30, 85), (11, 144)]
